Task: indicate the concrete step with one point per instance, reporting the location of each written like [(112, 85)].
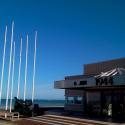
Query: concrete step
[(42, 121), (64, 120), (82, 120), (68, 121), (48, 121), (59, 120)]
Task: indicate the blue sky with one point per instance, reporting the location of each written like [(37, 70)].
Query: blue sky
[(70, 33)]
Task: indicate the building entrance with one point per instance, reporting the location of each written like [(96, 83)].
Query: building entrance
[(106, 103), (118, 104), (113, 103)]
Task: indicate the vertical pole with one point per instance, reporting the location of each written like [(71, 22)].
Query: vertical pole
[(26, 70), (18, 89), (3, 63), (8, 84), (13, 61), (34, 68)]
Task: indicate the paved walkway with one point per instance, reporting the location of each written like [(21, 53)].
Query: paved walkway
[(60, 120), (2, 122)]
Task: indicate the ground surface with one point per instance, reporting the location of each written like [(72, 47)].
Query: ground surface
[(59, 120), (55, 120), (27, 122), (6, 123)]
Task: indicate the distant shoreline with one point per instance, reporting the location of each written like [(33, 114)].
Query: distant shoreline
[(41, 103)]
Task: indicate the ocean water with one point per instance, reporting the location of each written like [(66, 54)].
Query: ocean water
[(42, 103), (49, 102)]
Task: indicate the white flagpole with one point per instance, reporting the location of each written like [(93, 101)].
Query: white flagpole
[(8, 84), (26, 70), (34, 67), (18, 89), (3, 63), (11, 98)]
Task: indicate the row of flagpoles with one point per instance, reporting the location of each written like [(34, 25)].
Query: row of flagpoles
[(12, 64)]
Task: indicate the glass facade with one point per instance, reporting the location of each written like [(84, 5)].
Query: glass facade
[(74, 100), (93, 102), (106, 103), (99, 102)]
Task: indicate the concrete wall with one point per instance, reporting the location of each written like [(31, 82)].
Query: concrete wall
[(74, 107), (71, 92)]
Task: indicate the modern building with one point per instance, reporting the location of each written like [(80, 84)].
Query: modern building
[(99, 91)]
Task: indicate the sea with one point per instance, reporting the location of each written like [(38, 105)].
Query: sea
[(40, 102)]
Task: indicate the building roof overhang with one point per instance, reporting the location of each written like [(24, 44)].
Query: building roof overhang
[(109, 87)]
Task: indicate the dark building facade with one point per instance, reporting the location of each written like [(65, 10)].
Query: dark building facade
[(99, 91)]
